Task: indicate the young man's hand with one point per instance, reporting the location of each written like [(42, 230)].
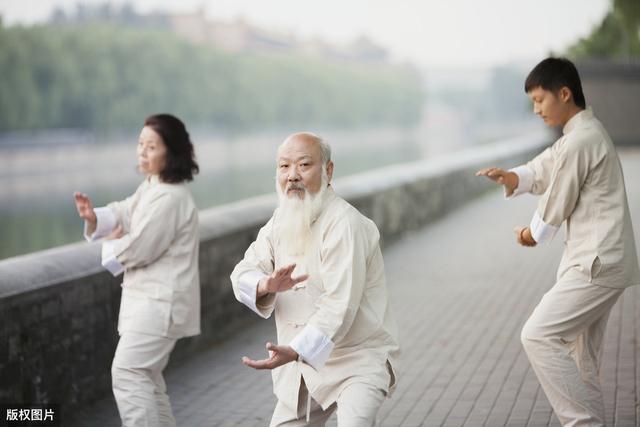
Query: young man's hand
[(523, 236), (510, 180)]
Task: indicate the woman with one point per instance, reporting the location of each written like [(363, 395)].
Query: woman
[(153, 237)]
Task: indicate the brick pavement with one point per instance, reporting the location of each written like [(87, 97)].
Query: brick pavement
[(461, 290)]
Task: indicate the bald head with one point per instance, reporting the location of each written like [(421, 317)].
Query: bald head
[(303, 157), (312, 141)]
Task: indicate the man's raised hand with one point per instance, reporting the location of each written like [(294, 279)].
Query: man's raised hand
[(508, 179), (280, 281)]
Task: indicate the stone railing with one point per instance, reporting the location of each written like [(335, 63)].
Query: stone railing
[(58, 308)]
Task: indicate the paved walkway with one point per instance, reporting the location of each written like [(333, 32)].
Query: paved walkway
[(461, 289)]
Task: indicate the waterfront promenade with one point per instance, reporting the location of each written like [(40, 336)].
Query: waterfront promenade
[(461, 290)]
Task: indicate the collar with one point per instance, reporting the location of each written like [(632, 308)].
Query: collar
[(153, 180), (575, 121)]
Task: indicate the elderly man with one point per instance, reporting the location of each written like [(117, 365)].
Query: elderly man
[(317, 264)]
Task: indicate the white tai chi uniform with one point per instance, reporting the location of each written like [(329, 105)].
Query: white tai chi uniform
[(338, 320), (581, 183), (160, 292)]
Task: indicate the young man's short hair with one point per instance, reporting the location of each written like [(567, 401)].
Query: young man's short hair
[(553, 74)]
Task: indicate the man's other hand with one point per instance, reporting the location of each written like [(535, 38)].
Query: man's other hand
[(278, 355)]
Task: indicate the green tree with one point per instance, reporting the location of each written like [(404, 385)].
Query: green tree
[(100, 76), (617, 36)]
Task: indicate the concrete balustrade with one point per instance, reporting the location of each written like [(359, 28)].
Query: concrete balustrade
[(58, 308)]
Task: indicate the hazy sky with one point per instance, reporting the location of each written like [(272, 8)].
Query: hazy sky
[(427, 32)]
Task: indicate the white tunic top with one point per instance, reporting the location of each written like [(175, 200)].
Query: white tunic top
[(159, 256), (581, 183), (339, 320)]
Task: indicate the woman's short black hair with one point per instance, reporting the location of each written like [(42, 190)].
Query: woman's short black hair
[(553, 74), (180, 162)]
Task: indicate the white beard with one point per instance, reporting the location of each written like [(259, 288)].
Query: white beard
[(293, 224)]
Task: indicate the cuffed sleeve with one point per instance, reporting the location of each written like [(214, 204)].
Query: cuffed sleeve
[(313, 346), (109, 260), (247, 294), (257, 263), (106, 222), (525, 180), (541, 231)]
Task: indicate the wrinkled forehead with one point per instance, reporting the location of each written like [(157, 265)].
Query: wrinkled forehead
[(297, 148)]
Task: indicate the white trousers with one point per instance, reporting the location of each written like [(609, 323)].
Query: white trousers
[(138, 385), (563, 340), (357, 406)]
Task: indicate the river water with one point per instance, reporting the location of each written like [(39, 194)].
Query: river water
[(37, 181), (39, 174)]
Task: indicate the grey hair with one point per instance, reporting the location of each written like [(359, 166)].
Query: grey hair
[(325, 149)]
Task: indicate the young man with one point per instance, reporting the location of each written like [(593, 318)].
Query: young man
[(580, 182)]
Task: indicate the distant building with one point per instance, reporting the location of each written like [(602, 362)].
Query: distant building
[(235, 36), (239, 36), (365, 50)]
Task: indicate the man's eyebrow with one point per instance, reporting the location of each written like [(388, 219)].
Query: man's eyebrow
[(287, 159)]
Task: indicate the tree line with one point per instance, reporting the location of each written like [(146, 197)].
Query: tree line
[(103, 76), (616, 37)]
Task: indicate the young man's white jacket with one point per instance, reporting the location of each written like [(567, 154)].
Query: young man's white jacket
[(580, 180), (339, 320), (159, 256)]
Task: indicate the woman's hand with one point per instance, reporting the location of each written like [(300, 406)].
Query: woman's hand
[(117, 233), (85, 210)]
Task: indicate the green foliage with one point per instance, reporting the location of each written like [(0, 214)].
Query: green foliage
[(618, 36), (103, 77)]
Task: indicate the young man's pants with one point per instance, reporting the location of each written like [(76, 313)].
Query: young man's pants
[(563, 340), (357, 406), (138, 385)]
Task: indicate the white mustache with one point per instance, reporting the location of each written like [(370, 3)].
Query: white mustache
[(296, 187)]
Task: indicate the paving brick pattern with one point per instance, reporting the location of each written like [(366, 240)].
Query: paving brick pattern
[(461, 290)]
